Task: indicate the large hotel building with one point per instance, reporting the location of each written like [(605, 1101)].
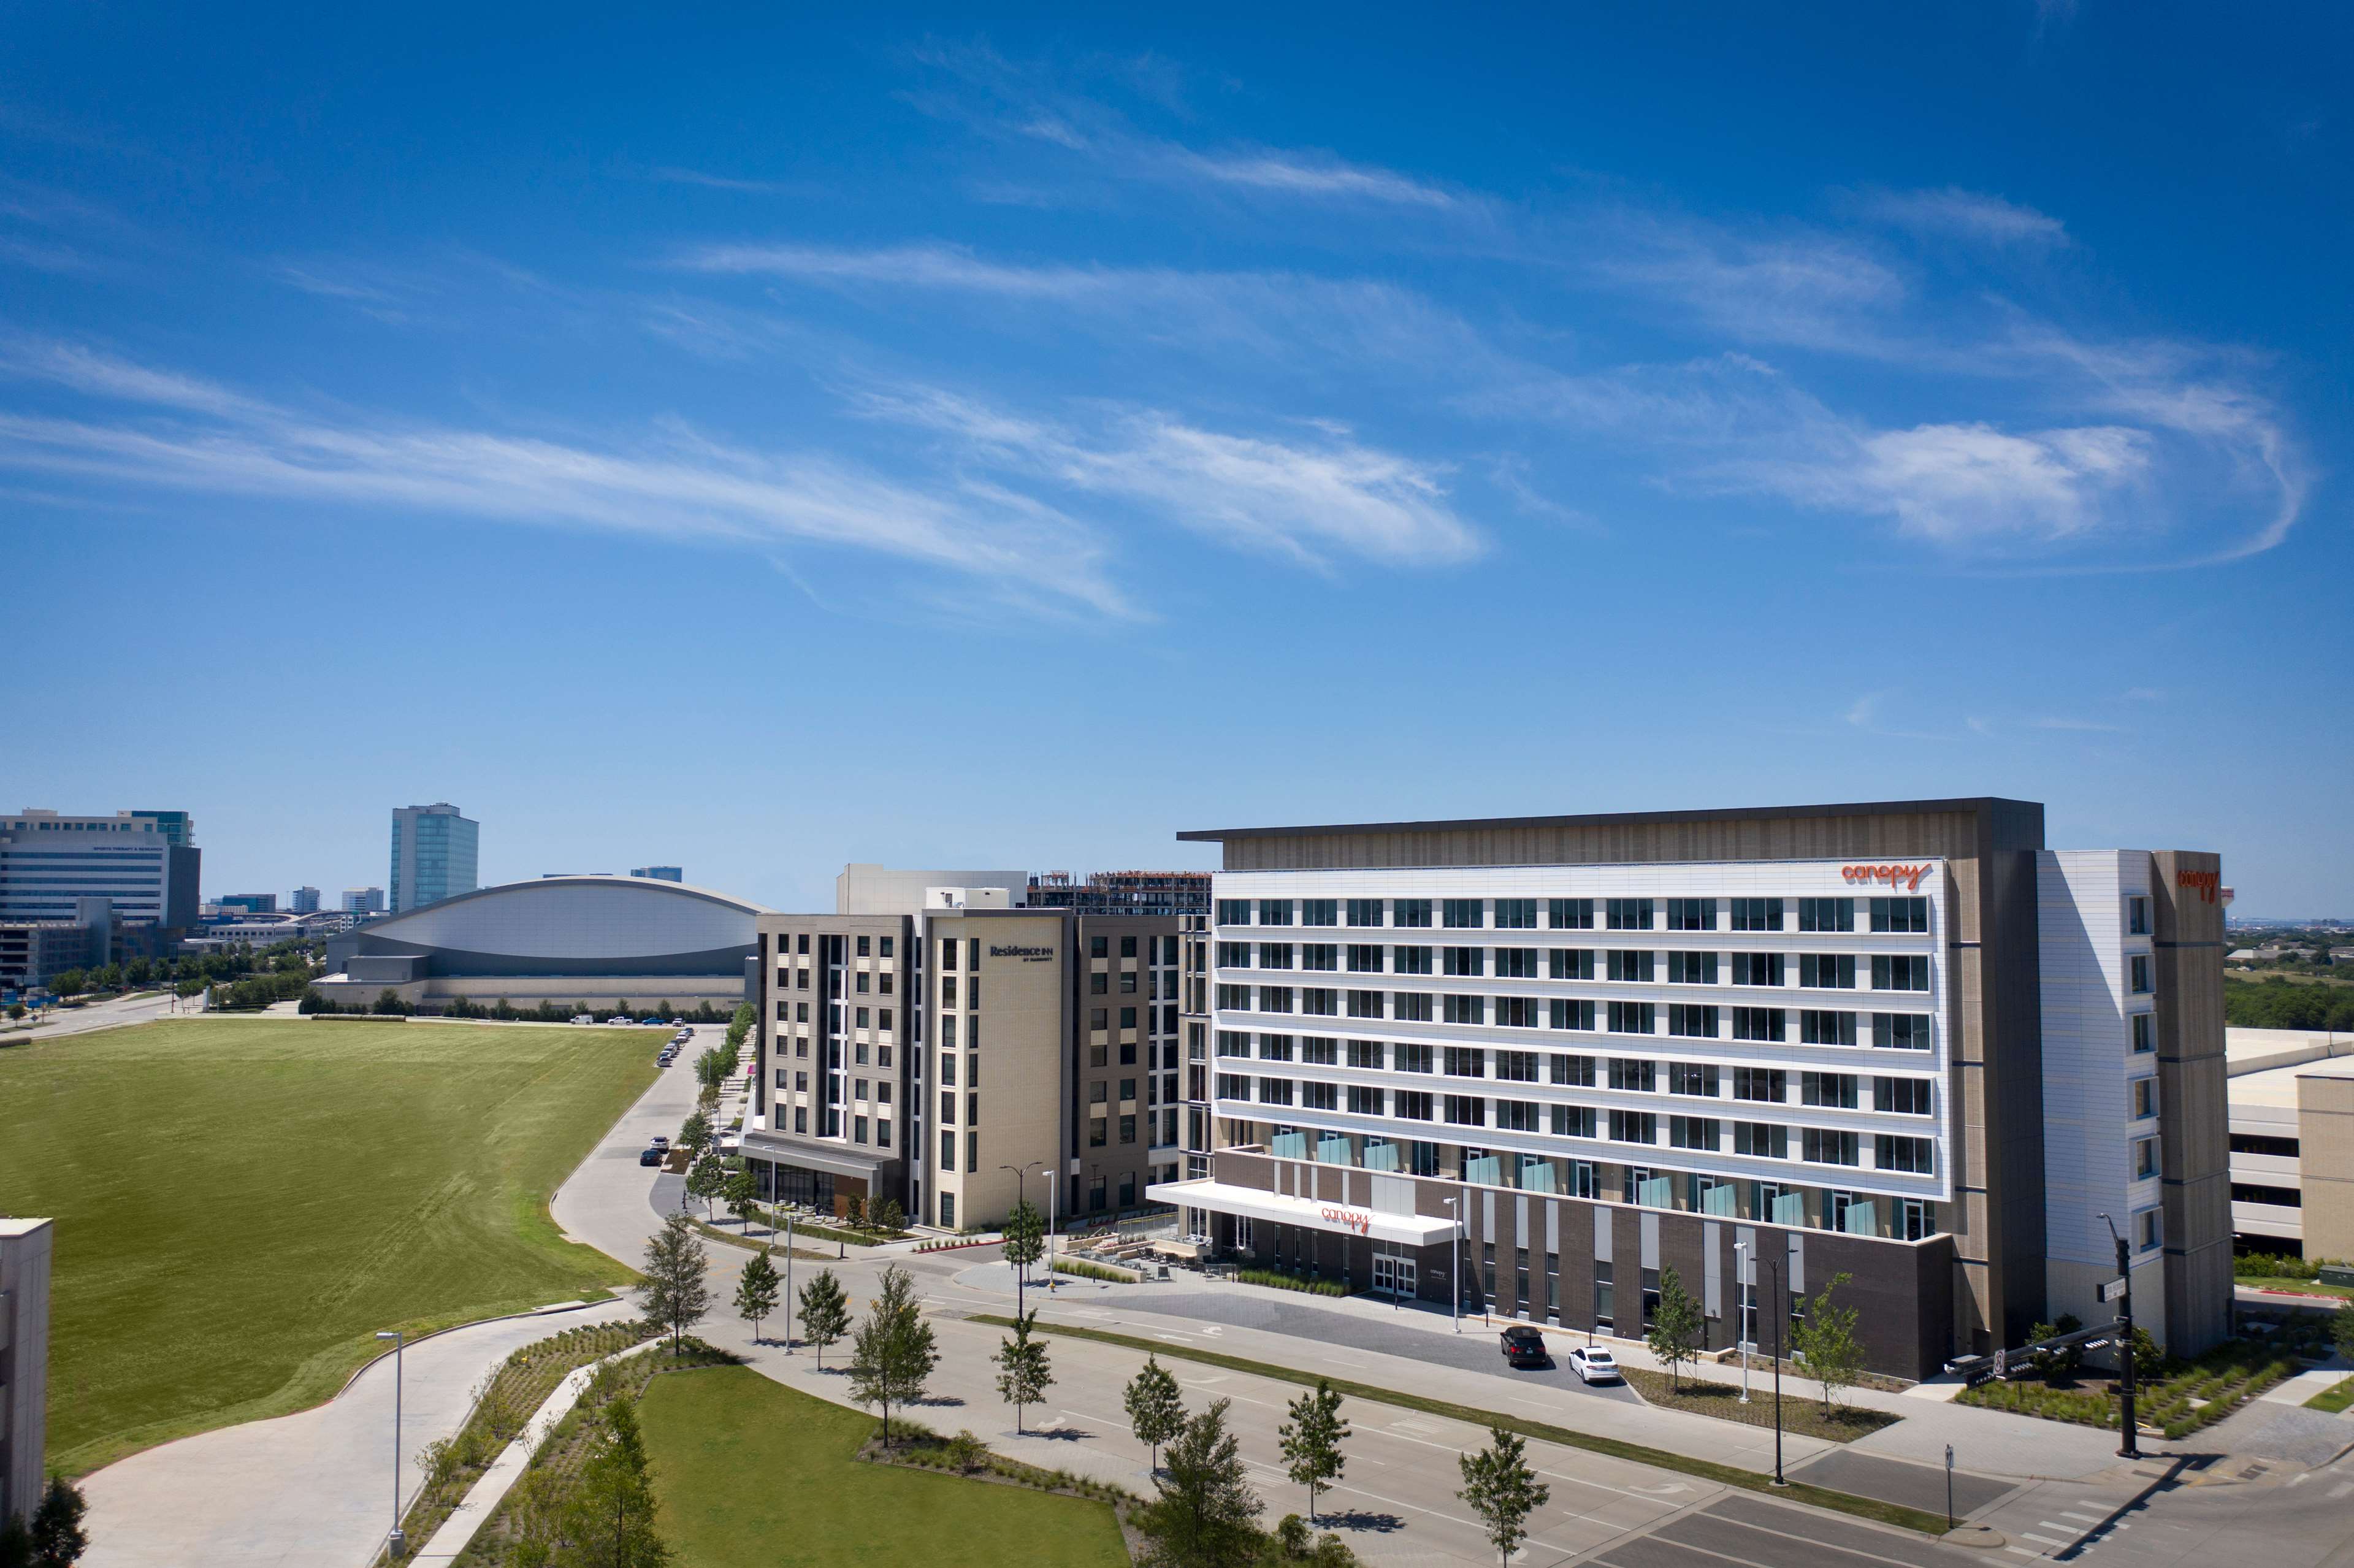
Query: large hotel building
[(1528, 1065)]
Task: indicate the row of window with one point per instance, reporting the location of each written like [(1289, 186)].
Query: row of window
[(1909, 915), (1814, 971), (1907, 1095), (1815, 1026)]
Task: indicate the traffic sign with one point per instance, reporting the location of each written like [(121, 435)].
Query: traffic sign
[(2113, 1290)]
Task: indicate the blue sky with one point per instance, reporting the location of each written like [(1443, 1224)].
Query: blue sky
[(758, 444)]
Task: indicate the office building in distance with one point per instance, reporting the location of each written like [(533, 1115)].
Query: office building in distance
[(1904, 1043), (362, 901), (661, 873), (434, 855), (1122, 892), (140, 862), (304, 901), (938, 1044)]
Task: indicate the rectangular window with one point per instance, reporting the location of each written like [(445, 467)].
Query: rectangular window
[(1128, 1126), (1275, 955), (1769, 1085), (1691, 969), (2144, 1032), (1825, 914), (1233, 912), (1910, 915), (1099, 1131), (1364, 911), (1516, 963), (1411, 912), (1275, 911), (1410, 961), (1365, 957), (2137, 916), (1761, 1140), (1234, 954), (1630, 914), (1466, 1062), (1837, 1090), (948, 961), (1698, 1022), (1634, 1127), (1826, 971), (948, 1153), (1516, 1116), (1467, 1110), (1632, 1018), (1570, 964), (858, 1123), (2149, 1231), (1410, 1006), (1516, 913), (1467, 1010), (1321, 1001), (1275, 998), (1574, 1122), (1568, 1014), (1233, 1086), (1364, 1004), (1756, 968), (1234, 1043), (1820, 1028), (1906, 1096), (1826, 1146), (1692, 914), (1577, 1071), (1461, 913), (1319, 911), (1363, 1101), (1899, 972), (1517, 1066), (1365, 1052), (1628, 1074), (1631, 967), (2142, 1096), (1693, 1132), (1692, 1078), (1275, 1091), (1758, 1023), (1463, 960), (1908, 1154), (1756, 914), (1274, 1047), (1900, 1030), (1414, 1105), (1320, 1051), (1570, 913), (1412, 1058), (2137, 970)]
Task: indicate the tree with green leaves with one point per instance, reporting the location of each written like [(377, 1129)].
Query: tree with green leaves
[(68, 982), (825, 1312), (886, 1214), (695, 1135), (741, 1193), (712, 1068), (1312, 1441), (50, 1535), (757, 1290), (706, 1179), (893, 1353), (1499, 1487), (854, 1212), (1156, 1411), (1676, 1326), (2341, 1328), (1206, 1515), (1826, 1339), (1025, 1242), (676, 1295), (613, 1503), (1022, 1372)]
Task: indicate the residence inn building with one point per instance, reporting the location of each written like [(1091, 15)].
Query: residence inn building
[(1532, 1063)]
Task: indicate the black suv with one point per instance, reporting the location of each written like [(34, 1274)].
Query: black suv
[(1524, 1347)]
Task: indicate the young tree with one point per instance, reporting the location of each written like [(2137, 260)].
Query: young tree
[(1312, 1441), (674, 1296), (741, 1195), (1827, 1339), (1025, 1242), (695, 1135), (1156, 1412), (57, 1537), (1206, 1515), (887, 1215), (1676, 1326), (892, 1354), (1023, 1375), (825, 1312), (2341, 1328), (614, 1505), (756, 1291), (706, 1179), (1500, 1487), (854, 1212)]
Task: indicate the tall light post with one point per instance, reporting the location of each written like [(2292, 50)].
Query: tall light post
[(1021, 1199), (397, 1544), (788, 1282), (1052, 1212), (1455, 1284), (1741, 1283), (1780, 1317), (2132, 1449)]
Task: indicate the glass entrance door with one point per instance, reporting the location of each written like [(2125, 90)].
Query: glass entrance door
[(1393, 1276)]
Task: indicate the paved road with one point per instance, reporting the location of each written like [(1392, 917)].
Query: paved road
[(109, 1014)]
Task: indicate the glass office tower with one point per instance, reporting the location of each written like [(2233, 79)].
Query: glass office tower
[(433, 854)]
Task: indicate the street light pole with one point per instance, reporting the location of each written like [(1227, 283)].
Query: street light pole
[(1741, 1283), (1052, 1212), (397, 1544), (1455, 1283), (1780, 1317), (2132, 1449), (788, 1282)]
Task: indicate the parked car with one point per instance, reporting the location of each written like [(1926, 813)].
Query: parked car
[(678, 1024), (1524, 1347), (1592, 1363), (621, 1018), (658, 1141), (651, 1157), (582, 1018)]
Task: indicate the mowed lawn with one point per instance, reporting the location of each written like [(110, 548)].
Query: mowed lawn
[(242, 1203), (751, 1474)]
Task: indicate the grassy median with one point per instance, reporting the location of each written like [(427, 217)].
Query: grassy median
[(754, 1474), (241, 1203), (1544, 1432)]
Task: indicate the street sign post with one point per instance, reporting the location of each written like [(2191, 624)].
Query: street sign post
[(2114, 1290), (1949, 1486)]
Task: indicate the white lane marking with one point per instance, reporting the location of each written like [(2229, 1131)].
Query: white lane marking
[(2024, 1551), (2093, 1502), (2031, 1535), (2341, 1489), (2300, 1480), (2087, 1518)]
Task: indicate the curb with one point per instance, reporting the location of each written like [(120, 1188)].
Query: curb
[(549, 1310)]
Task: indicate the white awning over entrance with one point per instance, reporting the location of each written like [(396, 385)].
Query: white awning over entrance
[(1344, 1219)]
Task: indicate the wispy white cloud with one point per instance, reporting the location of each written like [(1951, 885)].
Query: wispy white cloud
[(672, 175), (1958, 214), (1289, 173), (1865, 709), (2088, 726)]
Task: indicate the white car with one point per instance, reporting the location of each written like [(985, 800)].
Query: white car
[(582, 1018), (1594, 1364)]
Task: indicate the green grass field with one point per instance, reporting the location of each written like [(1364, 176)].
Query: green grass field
[(243, 1203), (755, 1475)]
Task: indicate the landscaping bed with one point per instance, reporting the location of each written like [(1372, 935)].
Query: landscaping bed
[(2186, 1397), (1801, 1413)]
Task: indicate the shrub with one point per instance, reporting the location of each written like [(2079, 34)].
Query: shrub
[(1283, 1279)]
